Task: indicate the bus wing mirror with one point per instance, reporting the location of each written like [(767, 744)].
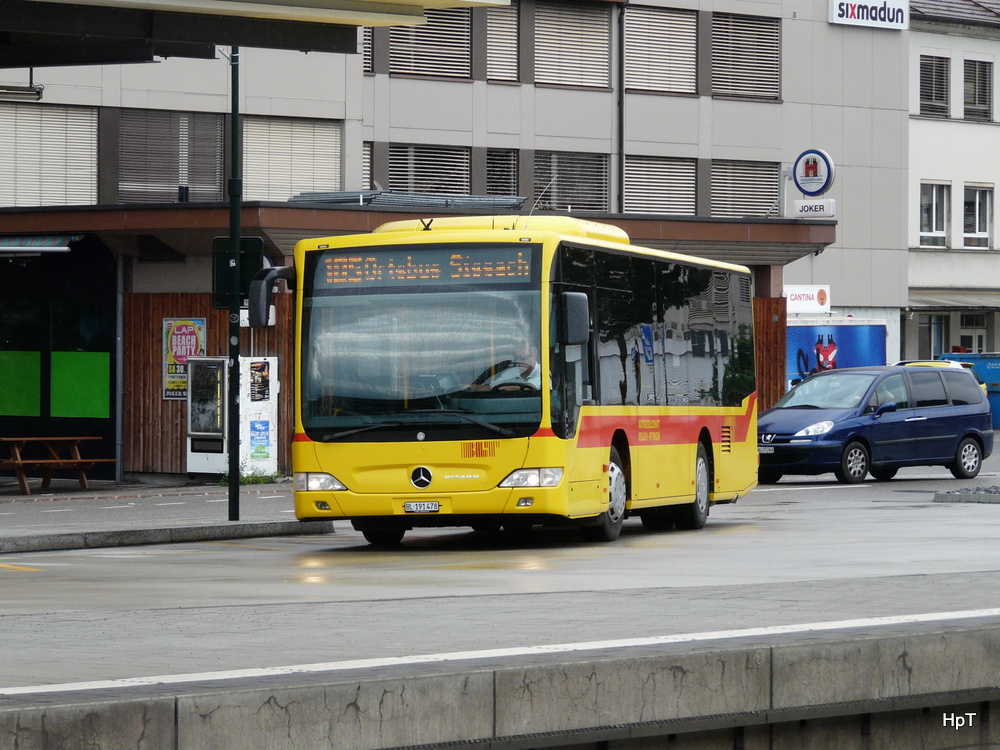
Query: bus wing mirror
[(262, 291), (575, 318)]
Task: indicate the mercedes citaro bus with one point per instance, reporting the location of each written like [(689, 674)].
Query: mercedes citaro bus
[(508, 371)]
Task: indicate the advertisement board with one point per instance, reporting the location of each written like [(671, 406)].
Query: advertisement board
[(832, 344)]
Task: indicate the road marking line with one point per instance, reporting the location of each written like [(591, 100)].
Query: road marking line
[(21, 568), (169, 503), (58, 510), (336, 666)]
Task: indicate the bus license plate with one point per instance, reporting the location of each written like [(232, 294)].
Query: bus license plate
[(765, 449), (424, 506)]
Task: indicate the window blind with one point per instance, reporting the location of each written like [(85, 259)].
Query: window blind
[(744, 188), (661, 46), (746, 56), (501, 171), (978, 90), (285, 156), (934, 75), (49, 154), (565, 181), (440, 47), (160, 151), (660, 185), (573, 44), (501, 42), (430, 169)]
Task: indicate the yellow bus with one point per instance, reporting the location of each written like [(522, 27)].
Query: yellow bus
[(508, 371)]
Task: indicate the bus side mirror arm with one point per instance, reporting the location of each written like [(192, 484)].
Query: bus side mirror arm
[(262, 292), (575, 327)]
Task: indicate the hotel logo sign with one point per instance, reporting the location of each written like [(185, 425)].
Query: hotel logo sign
[(889, 14)]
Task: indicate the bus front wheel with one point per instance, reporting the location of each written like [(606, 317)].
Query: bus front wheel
[(609, 527), (695, 515), (383, 537)]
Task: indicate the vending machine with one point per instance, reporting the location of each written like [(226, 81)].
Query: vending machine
[(208, 427), (208, 383)]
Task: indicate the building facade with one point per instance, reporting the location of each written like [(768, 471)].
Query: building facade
[(676, 121), (954, 295)]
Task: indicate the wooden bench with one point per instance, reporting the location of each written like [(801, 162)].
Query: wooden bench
[(58, 454)]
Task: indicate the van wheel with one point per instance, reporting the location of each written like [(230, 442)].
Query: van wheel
[(768, 476), (853, 464), (884, 473), (695, 514), (968, 460), (609, 527)]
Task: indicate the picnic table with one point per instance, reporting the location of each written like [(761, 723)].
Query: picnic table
[(48, 454)]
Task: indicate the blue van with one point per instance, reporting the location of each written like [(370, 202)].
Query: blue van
[(877, 419)]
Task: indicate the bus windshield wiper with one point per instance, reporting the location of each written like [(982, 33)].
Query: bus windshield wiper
[(356, 430), (463, 415)]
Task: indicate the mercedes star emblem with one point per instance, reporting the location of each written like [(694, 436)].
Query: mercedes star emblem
[(421, 477)]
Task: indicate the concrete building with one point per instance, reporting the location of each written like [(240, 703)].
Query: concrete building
[(954, 299), (674, 120)]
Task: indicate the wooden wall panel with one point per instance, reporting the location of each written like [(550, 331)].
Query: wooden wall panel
[(154, 429), (770, 321)]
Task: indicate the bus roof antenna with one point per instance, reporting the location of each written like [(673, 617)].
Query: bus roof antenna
[(427, 224), (537, 199)]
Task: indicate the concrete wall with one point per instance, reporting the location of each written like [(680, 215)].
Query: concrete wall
[(897, 691)]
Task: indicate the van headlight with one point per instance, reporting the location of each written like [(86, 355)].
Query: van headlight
[(533, 478), (820, 428), (315, 482)]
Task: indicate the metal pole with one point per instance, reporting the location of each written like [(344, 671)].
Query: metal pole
[(235, 196)]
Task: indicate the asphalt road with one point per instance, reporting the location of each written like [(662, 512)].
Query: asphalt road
[(803, 551)]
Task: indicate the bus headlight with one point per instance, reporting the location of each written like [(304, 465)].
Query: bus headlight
[(533, 478), (307, 482)]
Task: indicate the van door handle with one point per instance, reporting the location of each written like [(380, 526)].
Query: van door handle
[(916, 419)]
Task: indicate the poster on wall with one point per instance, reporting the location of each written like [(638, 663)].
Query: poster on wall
[(182, 338), (831, 345)]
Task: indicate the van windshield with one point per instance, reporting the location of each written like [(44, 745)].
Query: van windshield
[(833, 390)]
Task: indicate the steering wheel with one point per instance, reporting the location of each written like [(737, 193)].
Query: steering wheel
[(494, 370), (514, 385)]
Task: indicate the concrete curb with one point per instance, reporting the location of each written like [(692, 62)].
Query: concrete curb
[(966, 497), (164, 535)]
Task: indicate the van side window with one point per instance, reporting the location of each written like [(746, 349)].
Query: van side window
[(928, 389), (962, 388), (892, 389)]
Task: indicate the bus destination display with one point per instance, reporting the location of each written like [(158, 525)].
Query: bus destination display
[(410, 266)]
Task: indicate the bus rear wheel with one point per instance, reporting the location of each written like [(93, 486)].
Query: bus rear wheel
[(609, 527), (695, 515)]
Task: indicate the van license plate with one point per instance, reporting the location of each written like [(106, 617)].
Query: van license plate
[(765, 449), (425, 506)]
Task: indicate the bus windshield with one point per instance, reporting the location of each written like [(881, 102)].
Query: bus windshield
[(461, 362)]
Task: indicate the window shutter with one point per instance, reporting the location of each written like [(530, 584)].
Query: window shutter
[(440, 47), (49, 154), (429, 169), (366, 166), (501, 171), (573, 44), (744, 188), (934, 75), (660, 185), (661, 47), (501, 42), (366, 49), (283, 157), (567, 181), (160, 151), (746, 56), (978, 90)]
